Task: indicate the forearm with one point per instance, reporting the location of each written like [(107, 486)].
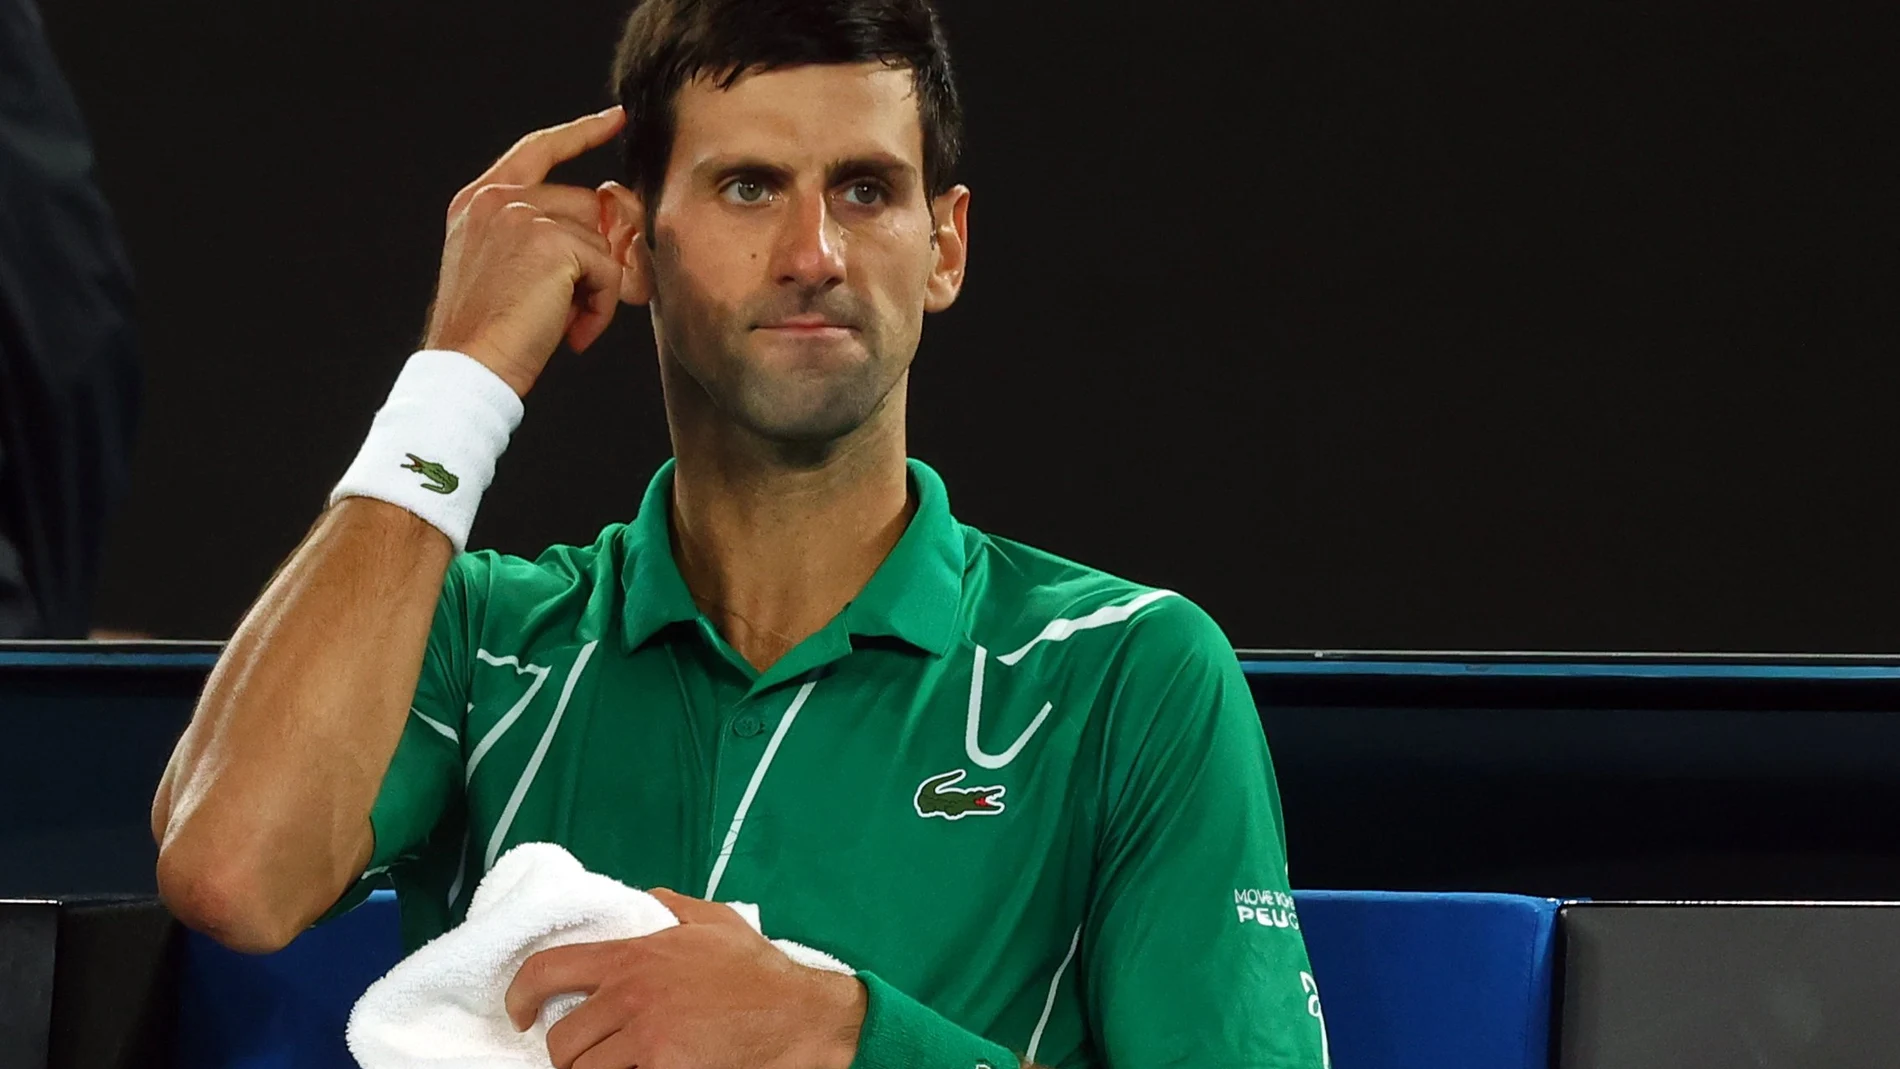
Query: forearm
[(263, 815)]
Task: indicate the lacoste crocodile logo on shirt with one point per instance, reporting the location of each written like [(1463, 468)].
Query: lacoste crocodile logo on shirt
[(939, 796), (441, 479)]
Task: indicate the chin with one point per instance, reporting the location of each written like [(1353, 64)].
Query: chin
[(812, 355), (810, 429), (810, 413)]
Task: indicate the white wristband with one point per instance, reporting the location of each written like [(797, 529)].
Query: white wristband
[(433, 445)]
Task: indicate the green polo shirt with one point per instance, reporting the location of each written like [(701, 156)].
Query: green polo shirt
[(1030, 801)]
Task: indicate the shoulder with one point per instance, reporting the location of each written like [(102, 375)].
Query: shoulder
[(566, 589), (1030, 603), (558, 567), (1148, 673)]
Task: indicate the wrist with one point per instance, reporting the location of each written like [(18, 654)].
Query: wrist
[(835, 1022), (495, 363), (518, 381), (433, 445)]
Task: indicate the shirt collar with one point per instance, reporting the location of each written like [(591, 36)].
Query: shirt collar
[(913, 596), (654, 594)]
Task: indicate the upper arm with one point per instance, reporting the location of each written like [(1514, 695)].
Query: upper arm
[(421, 788), (1193, 950)]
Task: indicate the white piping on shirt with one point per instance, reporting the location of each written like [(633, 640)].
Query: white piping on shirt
[(540, 751), (1060, 630), (461, 868), (442, 729), (1055, 631), (973, 722), (514, 713), (1049, 1005)]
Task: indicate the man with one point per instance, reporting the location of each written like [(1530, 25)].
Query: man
[(1029, 801)]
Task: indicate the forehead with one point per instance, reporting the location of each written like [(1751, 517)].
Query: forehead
[(813, 114)]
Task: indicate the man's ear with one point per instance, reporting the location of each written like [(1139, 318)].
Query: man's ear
[(623, 220), (951, 211)]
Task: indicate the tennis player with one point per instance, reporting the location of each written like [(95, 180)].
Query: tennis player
[(1030, 801)]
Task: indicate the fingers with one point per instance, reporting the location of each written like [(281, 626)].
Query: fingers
[(697, 910), (618, 1051), (545, 215), (526, 263), (581, 1031), (532, 157), (587, 236), (556, 971), (596, 294), (482, 199)]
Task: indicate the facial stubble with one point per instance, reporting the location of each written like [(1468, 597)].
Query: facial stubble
[(805, 412)]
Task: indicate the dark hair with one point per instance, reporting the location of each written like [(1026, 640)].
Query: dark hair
[(668, 43)]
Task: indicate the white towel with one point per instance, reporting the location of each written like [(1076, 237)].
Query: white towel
[(444, 1005)]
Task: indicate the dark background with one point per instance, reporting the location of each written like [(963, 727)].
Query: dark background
[(1504, 327)]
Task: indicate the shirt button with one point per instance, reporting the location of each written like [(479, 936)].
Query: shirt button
[(747, 726)]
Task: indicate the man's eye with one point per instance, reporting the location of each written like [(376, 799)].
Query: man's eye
[(864, 194), (745, 191)]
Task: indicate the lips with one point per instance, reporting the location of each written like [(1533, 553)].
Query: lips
[(805, 323)]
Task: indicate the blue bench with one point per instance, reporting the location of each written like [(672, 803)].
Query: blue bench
[(1408, 981)]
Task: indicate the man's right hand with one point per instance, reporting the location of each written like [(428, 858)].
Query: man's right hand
[(527, 263)]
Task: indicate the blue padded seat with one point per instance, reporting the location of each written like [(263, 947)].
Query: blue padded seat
[(284, 1010), (1417, 980)]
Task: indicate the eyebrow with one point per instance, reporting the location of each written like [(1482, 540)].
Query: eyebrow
[(891, 170)]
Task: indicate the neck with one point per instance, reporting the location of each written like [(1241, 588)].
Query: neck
[(773, 547)]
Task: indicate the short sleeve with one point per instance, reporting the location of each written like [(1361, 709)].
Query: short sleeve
[(416, 819), (1193, 952)]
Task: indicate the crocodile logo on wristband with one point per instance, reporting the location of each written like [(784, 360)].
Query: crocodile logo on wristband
[(441, 479)]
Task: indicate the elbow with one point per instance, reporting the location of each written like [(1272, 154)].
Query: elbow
[(223, 901), (161, 810)]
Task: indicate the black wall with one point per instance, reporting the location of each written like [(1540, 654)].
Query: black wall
[(1375, 326)]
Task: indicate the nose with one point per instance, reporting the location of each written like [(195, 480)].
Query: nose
[(810, 249)]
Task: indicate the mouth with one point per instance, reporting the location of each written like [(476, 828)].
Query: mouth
[(808, 326)]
